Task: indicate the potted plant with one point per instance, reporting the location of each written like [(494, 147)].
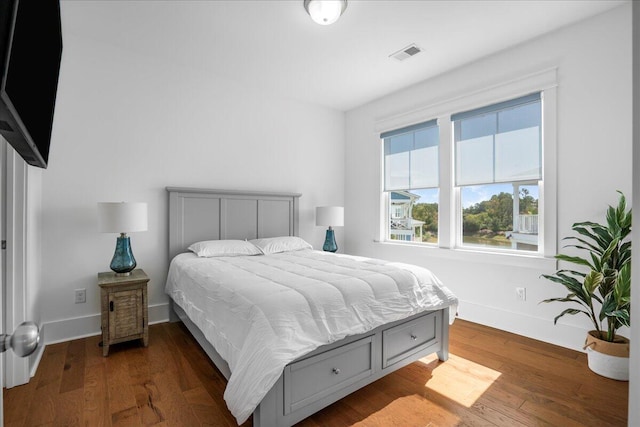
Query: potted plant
[(603, 291)]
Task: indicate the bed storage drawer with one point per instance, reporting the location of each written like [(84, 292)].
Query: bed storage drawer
[(405, 339), (311, 379)]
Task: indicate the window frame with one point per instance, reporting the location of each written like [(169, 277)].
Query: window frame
[(449, 204), (459, 220), (387, 202)]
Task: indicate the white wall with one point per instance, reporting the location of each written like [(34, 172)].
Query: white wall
[(593, 156), (127, 126), (634, 380)]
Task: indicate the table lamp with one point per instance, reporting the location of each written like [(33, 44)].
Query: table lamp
[(123, 218), (332, 216)]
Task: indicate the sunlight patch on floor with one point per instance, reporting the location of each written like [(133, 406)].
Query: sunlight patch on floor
[(459, 379)]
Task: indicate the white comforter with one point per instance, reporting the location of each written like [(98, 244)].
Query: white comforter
[(262, 312)]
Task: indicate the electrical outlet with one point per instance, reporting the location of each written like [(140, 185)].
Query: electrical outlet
[(521, 294), (81, 296)]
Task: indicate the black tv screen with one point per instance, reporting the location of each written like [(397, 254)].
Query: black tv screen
[(31, 43)]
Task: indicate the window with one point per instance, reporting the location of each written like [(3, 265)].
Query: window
[(500, 216), (498, 164), (475, 175), (397, 211), (411, 182)]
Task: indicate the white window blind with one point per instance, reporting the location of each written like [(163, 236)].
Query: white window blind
[(499, 143), (411, 157)]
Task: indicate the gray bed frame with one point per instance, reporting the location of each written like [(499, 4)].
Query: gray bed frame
[(330, 372)]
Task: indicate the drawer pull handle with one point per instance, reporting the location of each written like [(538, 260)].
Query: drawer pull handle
[(336, 371), (414, 337)]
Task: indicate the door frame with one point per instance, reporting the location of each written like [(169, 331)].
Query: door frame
[(16, 369), (3, 195)]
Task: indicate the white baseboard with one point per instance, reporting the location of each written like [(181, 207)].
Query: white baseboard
[(34, 359), (517, 323), (81, 327), (532, 327), (88, 326)]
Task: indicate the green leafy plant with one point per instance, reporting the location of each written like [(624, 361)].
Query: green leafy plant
[(607, 284)]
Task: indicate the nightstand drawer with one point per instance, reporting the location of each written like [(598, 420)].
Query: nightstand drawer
[(311, 379)]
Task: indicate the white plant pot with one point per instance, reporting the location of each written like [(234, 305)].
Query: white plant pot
[(614, 365)]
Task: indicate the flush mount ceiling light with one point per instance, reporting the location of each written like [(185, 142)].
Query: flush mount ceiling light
[(325, 12)]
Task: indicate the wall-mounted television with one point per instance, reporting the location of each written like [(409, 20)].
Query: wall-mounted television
[(30, 54)]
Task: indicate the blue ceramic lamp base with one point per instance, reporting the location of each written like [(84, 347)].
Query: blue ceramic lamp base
[(123, 261), (330, 244)]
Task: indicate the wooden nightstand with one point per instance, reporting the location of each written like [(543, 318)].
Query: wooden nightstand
[(124, 308)]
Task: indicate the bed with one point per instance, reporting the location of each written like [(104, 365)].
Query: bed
[(312, 370)]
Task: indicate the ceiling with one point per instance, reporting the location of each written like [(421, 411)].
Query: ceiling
[(275, 46)]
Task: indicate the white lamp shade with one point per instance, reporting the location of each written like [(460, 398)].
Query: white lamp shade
[(330, 215), (122, 217)]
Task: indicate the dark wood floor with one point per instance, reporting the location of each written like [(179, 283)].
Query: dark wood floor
[(492, 378)]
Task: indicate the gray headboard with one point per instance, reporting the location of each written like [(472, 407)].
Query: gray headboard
[(202, 214)]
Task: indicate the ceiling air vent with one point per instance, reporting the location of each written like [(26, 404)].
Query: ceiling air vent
[(406, 52)]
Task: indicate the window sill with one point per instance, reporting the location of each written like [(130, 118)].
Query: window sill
[(532, 261)]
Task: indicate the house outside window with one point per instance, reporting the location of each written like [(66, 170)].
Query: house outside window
[(411, 168)]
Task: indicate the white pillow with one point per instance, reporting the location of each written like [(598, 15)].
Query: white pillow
[(274, 245), (214, 248)]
